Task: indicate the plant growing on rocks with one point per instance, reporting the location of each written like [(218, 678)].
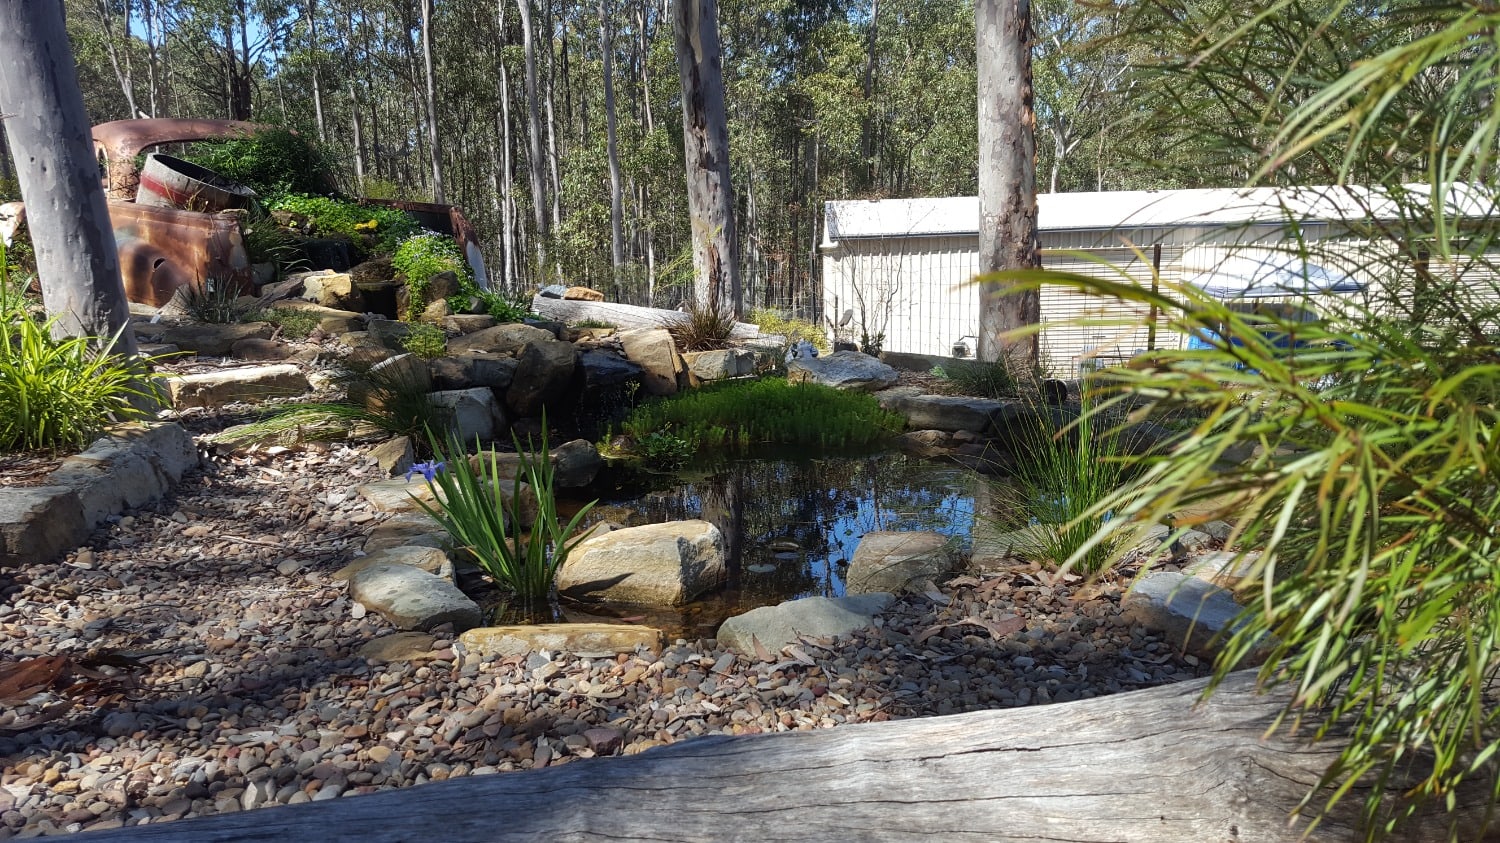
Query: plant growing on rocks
[(57, 393), (294, 324), (706, 328), (215, 301), (795, 330), (426, 341), (481, 508)]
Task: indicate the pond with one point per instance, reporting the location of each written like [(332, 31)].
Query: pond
[(791, 524)]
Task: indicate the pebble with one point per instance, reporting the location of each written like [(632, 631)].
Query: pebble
[(245, 686)]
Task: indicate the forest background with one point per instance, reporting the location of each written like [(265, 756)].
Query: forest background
[(827, 99)]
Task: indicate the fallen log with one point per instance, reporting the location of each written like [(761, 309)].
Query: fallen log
[(1147, 766), (622, 316)]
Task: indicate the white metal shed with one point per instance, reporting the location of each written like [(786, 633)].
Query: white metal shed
[(904, 266)]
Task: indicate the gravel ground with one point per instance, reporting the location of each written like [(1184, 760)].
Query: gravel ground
[(202, 660)]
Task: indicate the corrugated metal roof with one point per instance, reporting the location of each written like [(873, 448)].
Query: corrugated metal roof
[(1133, 209)]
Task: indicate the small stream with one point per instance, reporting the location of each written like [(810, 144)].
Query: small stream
[(791, 523)]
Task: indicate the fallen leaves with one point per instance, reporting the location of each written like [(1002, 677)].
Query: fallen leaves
[(1006, 626)]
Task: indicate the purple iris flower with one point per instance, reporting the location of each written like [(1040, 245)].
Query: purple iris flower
[(427, 469)]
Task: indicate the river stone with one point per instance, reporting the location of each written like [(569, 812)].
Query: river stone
[(654, 565), (227, 386), (38, 522), (925, 443), (777, 626), (1189, 612), (501, 641), (946, 412), (405, 529), (334, 290), (399, 647), (897, 561), (846, 370), (654, 350), (1223, 568), (507, 339), (468, 323), (712, 365), (472, 413), (413, 599), (394, 455), (397, 493), (429, 559), (575, 464)]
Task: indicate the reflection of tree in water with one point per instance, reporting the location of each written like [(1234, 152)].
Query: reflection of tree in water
[(824, 506)]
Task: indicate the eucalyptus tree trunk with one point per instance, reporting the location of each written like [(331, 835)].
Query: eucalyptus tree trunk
[(616, 198), (554, 147), (705, 137), (1007, 178), (535, 163), (123, 74), (66, 212), (358, 138), (433, 148), (150, 9), (317, 85), (867, 125), (507, 197)]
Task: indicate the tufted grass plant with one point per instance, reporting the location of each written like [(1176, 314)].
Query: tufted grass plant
[(479, 507)]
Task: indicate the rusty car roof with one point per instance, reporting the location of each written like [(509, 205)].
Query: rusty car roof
[(125, 139)]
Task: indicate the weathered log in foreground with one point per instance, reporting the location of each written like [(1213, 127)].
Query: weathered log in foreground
[(622, 316), (1142, 766)]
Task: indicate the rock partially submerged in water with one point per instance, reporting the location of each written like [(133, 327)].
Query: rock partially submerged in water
[(898, 561), (655, 565)]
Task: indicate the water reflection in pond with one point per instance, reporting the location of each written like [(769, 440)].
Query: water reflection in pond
[(792, 525)]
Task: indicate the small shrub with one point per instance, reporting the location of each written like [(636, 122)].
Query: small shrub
[(593, 323), (419, 258), (706, 328), (505, 308), (985, 380), (383, 228), (426, 341), (794, 330), (272, 162), (59, 393), (293, 324), (740, 414), (872, 344), (664, 450), (480, 509)]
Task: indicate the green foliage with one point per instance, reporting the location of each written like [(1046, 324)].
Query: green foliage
[(1063, 474), (593, 323), (739, 414), (795, 330), (60, 393), (664, 450), (706, 328), (273, 162), (293, 324), (380, 227), (871, 344), (422, 256), (426, 341), (481, 509)]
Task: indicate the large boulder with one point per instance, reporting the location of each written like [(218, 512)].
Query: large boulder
[(471, 413), (509, 339), (655, 565), (897, 561), (774, 627), (544, 369), (656, 353), (575, 464), (389, 333), (601, 370), (226, 386), (847, 370), (720, 364), (130, 467), (593, 639), (945, 412), (411, 598), (468, 323), (333, 290), (201, 338), (471, 370), (1191, 613)]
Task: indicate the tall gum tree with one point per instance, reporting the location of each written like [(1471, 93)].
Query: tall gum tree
[(1007, 177), (705, 139), (65, 206)]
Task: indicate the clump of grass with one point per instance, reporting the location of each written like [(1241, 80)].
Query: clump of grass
[(985, 380), (706, 328), (426, 341), (740, 414), (294, 324), (480, 507), (593, 323), (215, 301)]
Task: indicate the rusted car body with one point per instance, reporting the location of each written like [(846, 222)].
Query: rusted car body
[(164, 249)]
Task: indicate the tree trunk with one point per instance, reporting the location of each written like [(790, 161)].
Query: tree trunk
[(149, 11), (507, 196), (616, 195), (317, 85), (122, 74), (867, 126), (65, 207), (433, 149), (536, 164), (1152, 766), (705, 133), (1007, 178)]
